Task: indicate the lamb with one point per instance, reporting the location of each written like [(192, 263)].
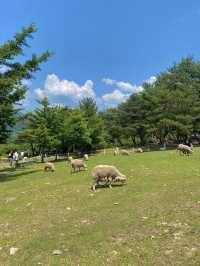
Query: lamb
[(184, 149), (86, 157), (77, 164), (139, 150), (107, 174), (124, 152), (49, 167)]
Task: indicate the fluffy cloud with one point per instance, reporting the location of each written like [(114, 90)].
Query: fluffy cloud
[(66, 91), (39, 93), (70, 89), (26, 82), (125, 86), (114, 97), (3, 69), (151, 80)]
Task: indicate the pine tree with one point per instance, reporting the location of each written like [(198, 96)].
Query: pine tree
[(12, 75)]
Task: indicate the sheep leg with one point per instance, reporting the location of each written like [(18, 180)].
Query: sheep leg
[(109, 180), (93, 186), (72, 170)]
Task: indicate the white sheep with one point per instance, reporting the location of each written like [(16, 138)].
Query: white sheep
[(106, 174), (85, 156), (184, 149), (124, 152), (138, 150), (77, 164), (49, 167), (70, 158)]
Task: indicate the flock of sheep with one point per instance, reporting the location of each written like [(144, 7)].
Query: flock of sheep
[(108, 174)]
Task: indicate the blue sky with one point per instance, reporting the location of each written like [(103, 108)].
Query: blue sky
[(103, 48)]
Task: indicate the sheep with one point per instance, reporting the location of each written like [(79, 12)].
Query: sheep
[(107, 174), (49, 167), (139, 150), (86, 157), (124, 152), (77, 164), (184, 149), (70, 158)]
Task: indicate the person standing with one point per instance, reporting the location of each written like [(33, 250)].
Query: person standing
[(10, 158), (16, 157)]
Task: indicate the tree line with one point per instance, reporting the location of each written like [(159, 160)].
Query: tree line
[(166, 111)]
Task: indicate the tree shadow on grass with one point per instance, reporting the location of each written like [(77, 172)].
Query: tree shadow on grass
[(8, 175)]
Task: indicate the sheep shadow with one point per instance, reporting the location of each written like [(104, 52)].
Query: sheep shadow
[(101, 186)]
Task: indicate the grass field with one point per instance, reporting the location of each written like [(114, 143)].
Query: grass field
[(153, 220)]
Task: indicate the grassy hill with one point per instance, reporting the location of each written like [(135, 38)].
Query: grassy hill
[(153, 220)]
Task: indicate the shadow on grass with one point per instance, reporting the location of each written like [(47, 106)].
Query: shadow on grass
[(101, 186), (9, 175)]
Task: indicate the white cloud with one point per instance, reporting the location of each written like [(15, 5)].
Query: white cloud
[(26, 82), (122, 85), (108, 81), (55, 87), (114, 97), (3, 69), (151, 80), (39, 93), (70, 92)]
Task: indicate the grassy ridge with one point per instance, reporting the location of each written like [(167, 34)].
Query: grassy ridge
[(153, 220)]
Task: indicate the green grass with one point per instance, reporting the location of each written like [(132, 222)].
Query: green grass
[(156, 220)]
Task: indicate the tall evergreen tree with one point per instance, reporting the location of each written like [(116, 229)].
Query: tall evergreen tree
[(12, 75), (94, 122)]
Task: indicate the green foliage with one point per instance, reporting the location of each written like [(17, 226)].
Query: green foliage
[(168, 109), (53, 129), (94, 122), (12, 89)]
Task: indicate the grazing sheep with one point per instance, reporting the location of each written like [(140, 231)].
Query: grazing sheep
[(86, 157), (184, 149), (139, 150), (49, 167), (107, 174), (77, 164), (124, 152), (70, 158)]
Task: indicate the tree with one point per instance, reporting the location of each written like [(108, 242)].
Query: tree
[(12, 88), (75, 134), (166, 110), (94, 122), (42, 129)]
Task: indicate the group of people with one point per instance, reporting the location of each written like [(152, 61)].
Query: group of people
[(14, 156)]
